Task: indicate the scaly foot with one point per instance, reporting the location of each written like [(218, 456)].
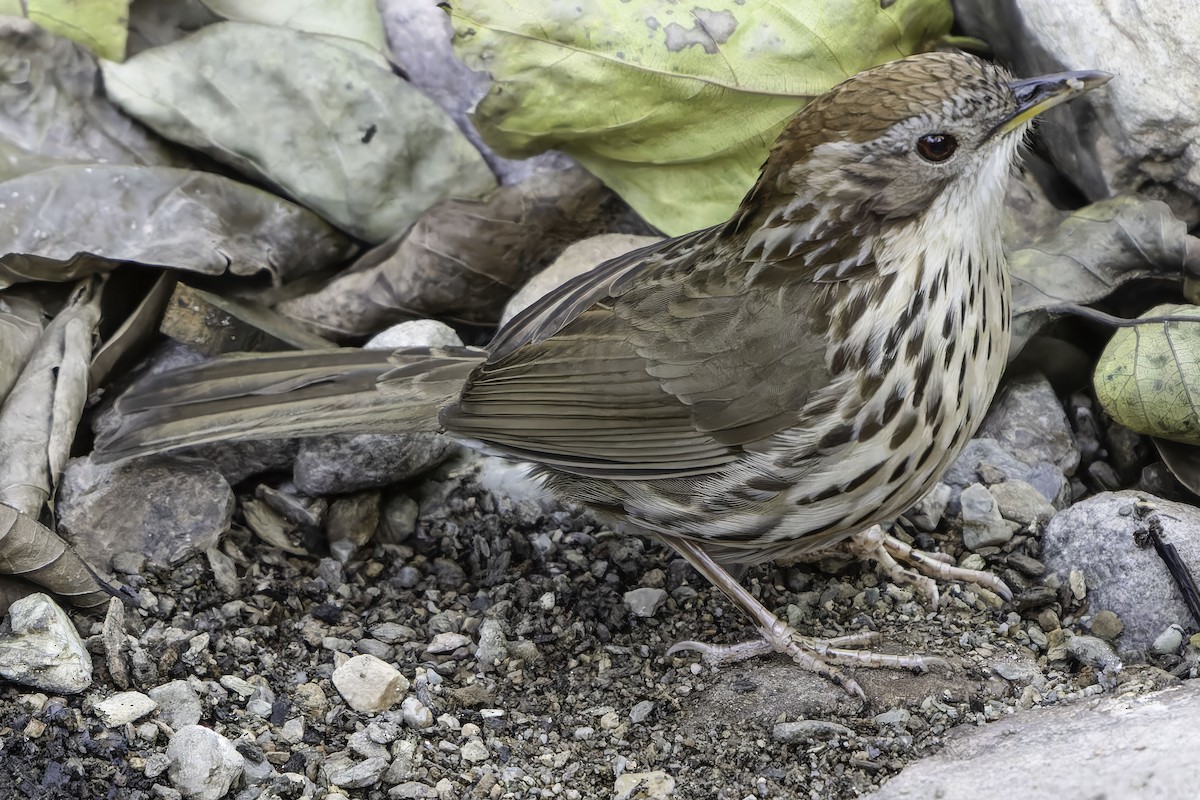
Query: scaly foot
[(889, 551), (822, 656)]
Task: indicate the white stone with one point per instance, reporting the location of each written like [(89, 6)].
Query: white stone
[(204, 764), (416, 714), (43, 649), (368, 684), (415, 333), (124, 707), (574, 260), (656, 785)]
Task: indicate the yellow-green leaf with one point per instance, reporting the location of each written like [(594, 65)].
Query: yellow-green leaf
[(99, 25), (674, 106), (1148, 377)]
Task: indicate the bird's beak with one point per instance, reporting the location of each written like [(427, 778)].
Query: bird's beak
[(1035, 95)]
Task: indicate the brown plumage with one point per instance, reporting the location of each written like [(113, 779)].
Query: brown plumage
[(758, 389)]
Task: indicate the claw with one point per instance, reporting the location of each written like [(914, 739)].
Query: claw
[(888, 551)]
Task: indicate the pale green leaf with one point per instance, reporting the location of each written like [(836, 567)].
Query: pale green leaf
[(673, 106), (1148, 377), (353, 19), (98, 25), (323, 119)]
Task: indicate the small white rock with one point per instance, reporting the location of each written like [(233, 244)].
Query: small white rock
[(124, 707), (416, 714), (204, 764), (293, 730), (415, 333), (656, 785), (474, 751), (44, 649), (447, 643), (1168, 641), (369, 684)]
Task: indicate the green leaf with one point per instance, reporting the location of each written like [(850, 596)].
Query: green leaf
[(674, 106), (1148, 377), (353, 19), (99, 25), (322, 118)]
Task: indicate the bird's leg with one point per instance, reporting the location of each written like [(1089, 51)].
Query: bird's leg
[(822, 656), (889, 552)]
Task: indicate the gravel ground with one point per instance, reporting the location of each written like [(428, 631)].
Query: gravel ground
[(572, 695)]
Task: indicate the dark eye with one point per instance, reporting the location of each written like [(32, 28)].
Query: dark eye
[(936, 147)]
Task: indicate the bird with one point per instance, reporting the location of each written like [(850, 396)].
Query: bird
[(761, 389)]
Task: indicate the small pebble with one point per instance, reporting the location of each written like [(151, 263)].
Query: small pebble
[(805, 729), (368, 684), (1107, 625), (1168, 641), (646, 601)]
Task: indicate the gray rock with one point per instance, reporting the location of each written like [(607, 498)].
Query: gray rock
[(412, 790), (986, 461), (398, 520), (416, 714), (1126, 747), (1135, 135), (204, 764), (351, 523), (928, 511), (1021, 502), (358, 775), (1098, 537), (645, 602), (492, 647), (1051, 483), (1092, 651), (1168, 641), (178, 704), (343, 464), (1030, 423), (104, 509), (806, 729), (641, 711), (238, 461), (40, 647), (1107, 625), (982, 525)]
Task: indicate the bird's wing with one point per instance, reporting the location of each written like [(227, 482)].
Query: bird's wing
[(651, 367)]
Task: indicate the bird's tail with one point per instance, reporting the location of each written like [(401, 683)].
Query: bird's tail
[(283, 395)]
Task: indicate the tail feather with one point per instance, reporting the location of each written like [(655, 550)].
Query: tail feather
[(284, 395)]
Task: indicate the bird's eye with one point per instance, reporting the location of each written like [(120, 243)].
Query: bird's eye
[(936, 147)]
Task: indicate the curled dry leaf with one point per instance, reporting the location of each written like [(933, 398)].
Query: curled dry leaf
[(631, 89), (76, 220), (21, 325), (51, 104), (40, 415), (39, 560), (1092, 252), (324, 119), (463, 259)]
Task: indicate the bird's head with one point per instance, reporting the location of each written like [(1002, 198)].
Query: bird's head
[(885, 144)]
